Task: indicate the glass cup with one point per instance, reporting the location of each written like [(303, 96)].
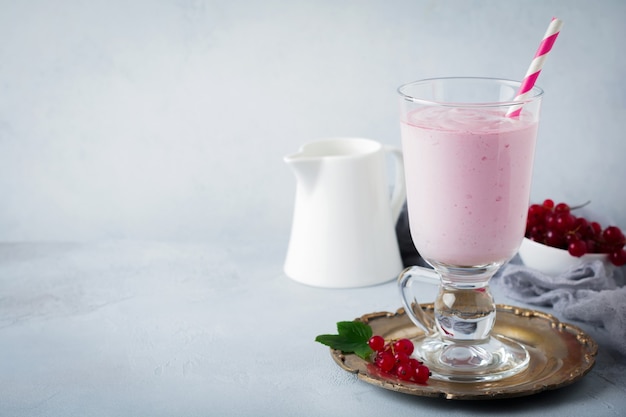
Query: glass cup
[(468, 167)]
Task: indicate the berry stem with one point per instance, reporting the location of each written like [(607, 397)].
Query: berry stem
[(586, 203)]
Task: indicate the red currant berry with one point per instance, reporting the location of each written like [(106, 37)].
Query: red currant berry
[(415, 363), (561, 208), (581, 224), (572, 237), (577, 248), (597, 229), (533, 222), (549, 204), (401, 358), (564, 221), (405, 372), (613, 235), (385, 361), (550, 221), (592, 246), (404, 345), (536, 212), (618, 258), (377, 343), (421, 374), (554, 238), (536, 233), (586, 231)]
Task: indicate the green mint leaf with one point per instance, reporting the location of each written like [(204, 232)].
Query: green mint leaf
[(352, 338), (356, 330), (363, 351)]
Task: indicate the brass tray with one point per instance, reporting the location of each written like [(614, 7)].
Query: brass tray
[(560, 354)]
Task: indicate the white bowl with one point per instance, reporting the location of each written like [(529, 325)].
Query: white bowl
[(554, 261)]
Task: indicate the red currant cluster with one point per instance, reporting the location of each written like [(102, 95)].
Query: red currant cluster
[(395, 359), (555, 225)]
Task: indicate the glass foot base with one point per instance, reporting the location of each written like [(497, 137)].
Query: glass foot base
[(457, 361)]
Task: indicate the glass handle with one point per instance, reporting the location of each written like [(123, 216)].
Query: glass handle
[(407, 281)]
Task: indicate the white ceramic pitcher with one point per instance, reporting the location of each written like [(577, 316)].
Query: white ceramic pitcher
[(343, 231)]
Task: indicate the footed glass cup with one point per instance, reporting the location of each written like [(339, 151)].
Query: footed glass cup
[(468, 168)]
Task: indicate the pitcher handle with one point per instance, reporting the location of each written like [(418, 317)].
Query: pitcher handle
[(399, 187), (406, 279)]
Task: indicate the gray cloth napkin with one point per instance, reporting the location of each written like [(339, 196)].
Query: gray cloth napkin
[(589, 293)]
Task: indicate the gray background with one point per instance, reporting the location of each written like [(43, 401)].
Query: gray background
[(169, 119)]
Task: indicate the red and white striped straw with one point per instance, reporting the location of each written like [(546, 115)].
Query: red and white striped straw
[(536, 65)]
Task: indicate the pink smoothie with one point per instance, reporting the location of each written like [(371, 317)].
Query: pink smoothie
[(468, 175)]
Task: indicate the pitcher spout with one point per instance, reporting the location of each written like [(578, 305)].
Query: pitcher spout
[(305, 168)]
